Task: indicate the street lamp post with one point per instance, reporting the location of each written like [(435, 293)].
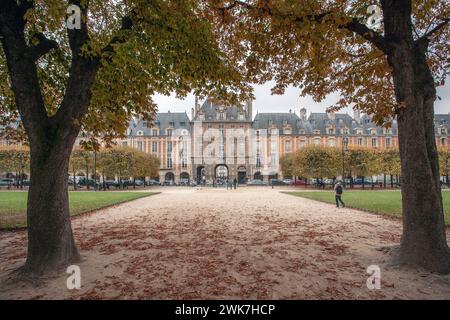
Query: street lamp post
[(95, 168), (446, 169), (344, 148), (344, 151)]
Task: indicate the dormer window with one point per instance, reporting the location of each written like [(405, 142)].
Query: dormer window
[(302, 131), (140, 133), (182, 124), (443, 131), (172, 124), (359, 131), (287, 131), (331, 131), (316, 131)]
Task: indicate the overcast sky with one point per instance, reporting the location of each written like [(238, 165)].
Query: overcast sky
[(265, 102)]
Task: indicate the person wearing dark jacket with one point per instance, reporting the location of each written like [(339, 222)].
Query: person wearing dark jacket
[(235, 183), (338, 191)]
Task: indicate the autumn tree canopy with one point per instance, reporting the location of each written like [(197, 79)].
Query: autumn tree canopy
[(323, 47), (136, 48)]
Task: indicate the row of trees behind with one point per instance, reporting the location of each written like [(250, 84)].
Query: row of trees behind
[(318, 162), (119, 163), (15, 160)]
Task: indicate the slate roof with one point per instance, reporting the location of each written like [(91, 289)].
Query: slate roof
[(175, 120), (320, 121), (210, 109), (316, 121), (441, 121), (265, 120)]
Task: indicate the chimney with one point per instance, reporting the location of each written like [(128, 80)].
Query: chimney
[(196, 106), (357, 115), (250, 109), (303, 114), (193, 113)]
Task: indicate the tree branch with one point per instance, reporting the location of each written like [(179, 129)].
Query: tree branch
[(83, 71), (354, 25), (22, 69), (79, 37), (127, 24), (437, 28), (43, 47), (362, 30)]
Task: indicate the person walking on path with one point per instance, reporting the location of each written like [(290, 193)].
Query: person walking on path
[(235, 183), (227, 183), (338, 191)]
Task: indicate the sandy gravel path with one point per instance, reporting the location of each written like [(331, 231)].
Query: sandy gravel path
[(253, 243)]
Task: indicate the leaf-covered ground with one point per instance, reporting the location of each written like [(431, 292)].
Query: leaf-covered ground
[(254, 243)]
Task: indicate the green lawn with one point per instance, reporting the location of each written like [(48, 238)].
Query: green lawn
[(382, 202), (13, 204)]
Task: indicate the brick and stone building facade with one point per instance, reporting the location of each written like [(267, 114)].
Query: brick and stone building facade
[(218, 141)]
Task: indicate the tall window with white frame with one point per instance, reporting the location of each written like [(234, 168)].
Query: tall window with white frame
[(273, 153), (287, 146), (169, 155), (184, 155), (360, 141), (388, 143), (258, 154)]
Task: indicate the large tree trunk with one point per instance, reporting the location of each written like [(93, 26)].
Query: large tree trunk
[(50, 239), (423, 242), (51, 244)]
